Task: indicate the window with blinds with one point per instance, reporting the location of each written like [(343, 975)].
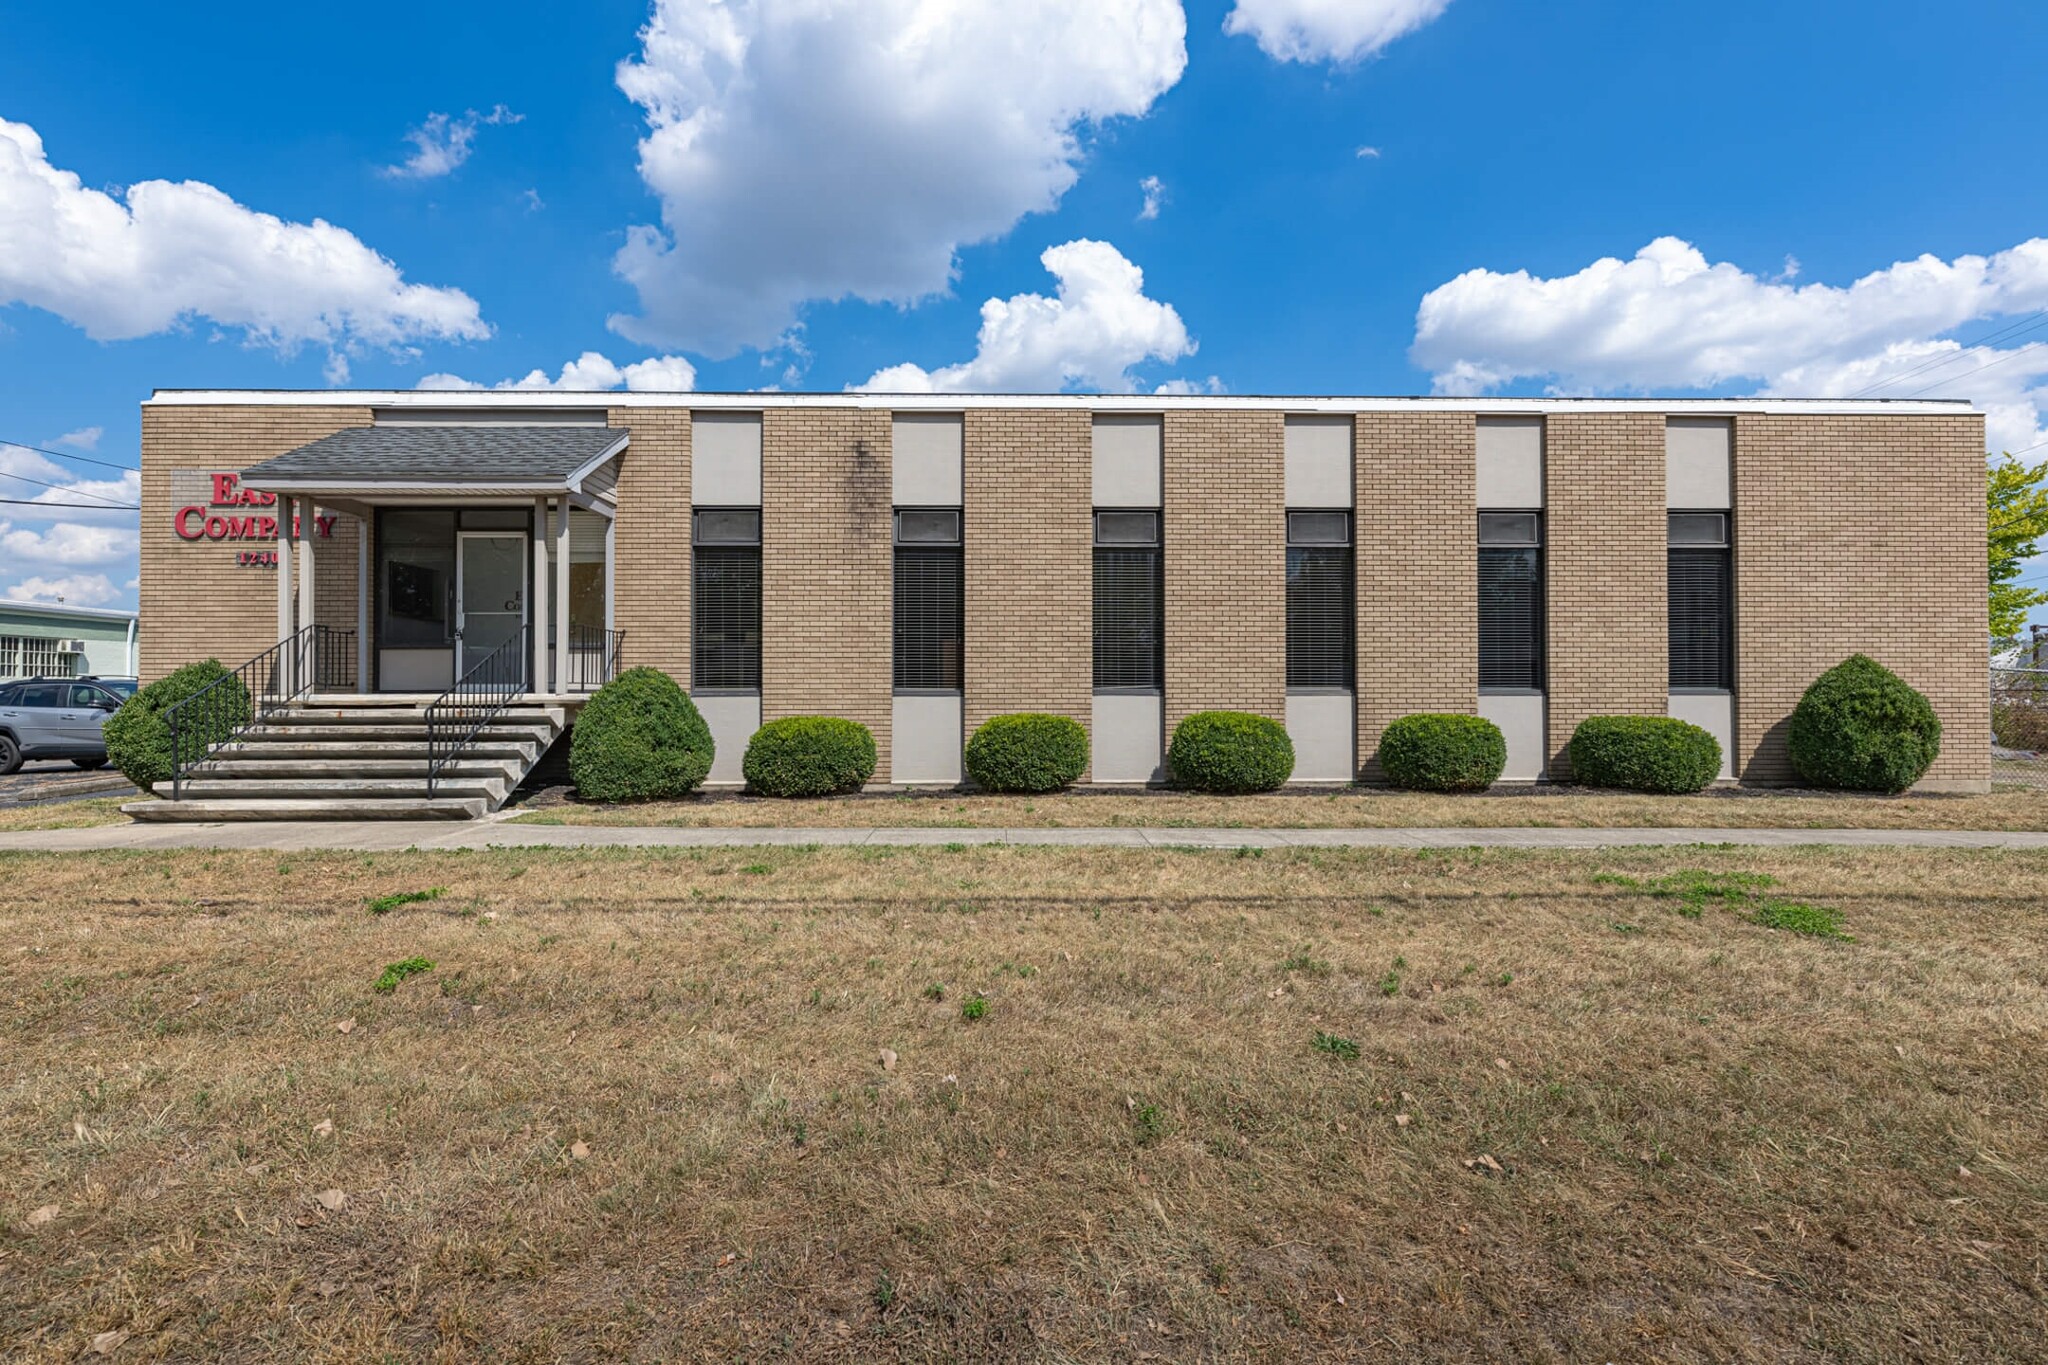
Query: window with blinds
[(1701, 596), (725, 600), (930, 617), (1130, 602), (1511, 601), (1321, 626)]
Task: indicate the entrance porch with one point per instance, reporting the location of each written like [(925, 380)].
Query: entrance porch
[(481, 620), (482, 553)]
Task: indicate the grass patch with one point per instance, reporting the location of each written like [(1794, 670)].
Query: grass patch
[(397, 972), (1815, 920), (659, 1108), (384, 905), (1330, 1045)]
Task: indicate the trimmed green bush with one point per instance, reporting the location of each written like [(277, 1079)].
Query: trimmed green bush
[(138, 739), (1443, 753), (639, 738), (1861, 727), (1644, 754), (810, 756), (1028, 752), (1230, 751)]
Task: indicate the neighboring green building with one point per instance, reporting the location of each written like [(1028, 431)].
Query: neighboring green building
[(42, 639)]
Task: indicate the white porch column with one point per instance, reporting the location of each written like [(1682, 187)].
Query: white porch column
[(537, 612), (610, 559), (309, 531), (285, 536), (561, 617)]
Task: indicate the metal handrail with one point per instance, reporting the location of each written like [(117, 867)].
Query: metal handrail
[(217, 714), (480, 696), (593, 657)]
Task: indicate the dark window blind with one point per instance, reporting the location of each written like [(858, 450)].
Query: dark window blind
[(725, 611), (1702, 620), (929, 619), (1511, 618), (1129, 619), (1320, 621)]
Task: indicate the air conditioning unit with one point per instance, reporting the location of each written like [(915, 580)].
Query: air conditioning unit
[(71, 646)]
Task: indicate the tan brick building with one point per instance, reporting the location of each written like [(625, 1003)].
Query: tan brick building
[(920, 563)]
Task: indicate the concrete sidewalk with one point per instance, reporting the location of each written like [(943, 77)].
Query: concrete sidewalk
[(379, 836)]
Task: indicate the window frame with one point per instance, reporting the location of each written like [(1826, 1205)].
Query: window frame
[(723, 545), (1540, 609), (955, 550), (1347, 548), (1156, 548), (1725, 550)]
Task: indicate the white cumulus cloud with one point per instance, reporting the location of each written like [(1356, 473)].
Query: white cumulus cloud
[(77, 590), (1328, 30), (1089, 335), (592, 372), (67, 543), (85, 438), (444, 141), (1154, 190), (164, 252), (825, 149), (1669, 319)]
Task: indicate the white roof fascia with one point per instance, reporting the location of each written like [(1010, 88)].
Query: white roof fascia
[(512, 400)]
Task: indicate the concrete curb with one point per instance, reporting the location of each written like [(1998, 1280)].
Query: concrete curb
[(387, 836)]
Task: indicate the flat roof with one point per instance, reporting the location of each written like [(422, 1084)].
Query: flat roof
[(542, 400), (66, 609)]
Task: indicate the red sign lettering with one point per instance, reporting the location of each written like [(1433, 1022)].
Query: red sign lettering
[(199, 522)]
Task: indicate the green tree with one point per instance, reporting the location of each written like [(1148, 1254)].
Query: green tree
[(2018, 518)]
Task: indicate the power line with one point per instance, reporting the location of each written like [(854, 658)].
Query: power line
[(2009, 357), (2025, 324), (82, 506), (81, 459), (63, 488)]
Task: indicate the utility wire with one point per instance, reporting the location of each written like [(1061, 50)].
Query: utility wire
[(81, 459), (2025, 324), (82, 506), (2009, 357), (64, 488)]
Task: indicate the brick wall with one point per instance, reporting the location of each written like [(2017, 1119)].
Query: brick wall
[(1605, 543), (651, 540), (195, 601), (1224, 535), (827, 610), (1029, 560), (1860, 535), (1416, 530)]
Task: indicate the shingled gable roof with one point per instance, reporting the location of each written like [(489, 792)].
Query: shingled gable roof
[(501, 456)]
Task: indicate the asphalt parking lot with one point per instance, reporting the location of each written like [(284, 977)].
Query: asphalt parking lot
[(57, 780)]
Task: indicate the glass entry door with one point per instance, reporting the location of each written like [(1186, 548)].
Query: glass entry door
[(490, 595)]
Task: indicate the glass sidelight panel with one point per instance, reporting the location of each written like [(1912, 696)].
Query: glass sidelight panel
[(490, 595)]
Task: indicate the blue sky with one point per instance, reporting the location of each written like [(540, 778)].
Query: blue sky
[(823, 193)]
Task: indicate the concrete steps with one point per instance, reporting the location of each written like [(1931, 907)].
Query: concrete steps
[(361, 759)]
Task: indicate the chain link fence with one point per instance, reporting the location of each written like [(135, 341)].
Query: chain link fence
[(2019, 727)]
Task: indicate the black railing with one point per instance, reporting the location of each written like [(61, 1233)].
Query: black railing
[(593, 658), (312, 658), (480, 696)]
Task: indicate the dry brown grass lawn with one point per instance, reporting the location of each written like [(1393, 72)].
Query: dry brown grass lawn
[(637, 1110), (2006, 809), (81, 814)]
